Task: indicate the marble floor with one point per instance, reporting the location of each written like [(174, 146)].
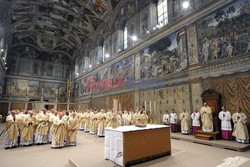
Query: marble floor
[(90, 153)]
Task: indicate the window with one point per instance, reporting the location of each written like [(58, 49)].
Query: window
[(103, 53), (162, 11), (125, 37)]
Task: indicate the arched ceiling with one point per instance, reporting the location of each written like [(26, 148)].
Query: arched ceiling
[(57, 25)]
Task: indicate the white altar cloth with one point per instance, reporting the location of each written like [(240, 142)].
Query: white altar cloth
[(114, 141)]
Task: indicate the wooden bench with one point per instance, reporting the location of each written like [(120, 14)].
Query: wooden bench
[(203, 137)]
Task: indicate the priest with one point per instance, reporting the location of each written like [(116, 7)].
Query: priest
[(173, 121), (101, 123), (226, 127), (144, 118), (42, 128), (59, 132), (28, 130), (72, 126), (11, 131), (240, 127), (195, 116), (207, 118), (166, 118), (185, 122)]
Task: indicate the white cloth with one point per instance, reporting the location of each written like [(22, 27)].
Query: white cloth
[(225, 118), (173, 118), (196, 119), (166, 119), (8, 143)]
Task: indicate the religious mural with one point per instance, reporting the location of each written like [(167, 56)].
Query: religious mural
[(18, 87), (168, 55), (123, 69), (225, 33), (53, 90)]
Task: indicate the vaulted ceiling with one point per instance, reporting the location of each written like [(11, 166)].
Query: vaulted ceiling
[(56, 25)]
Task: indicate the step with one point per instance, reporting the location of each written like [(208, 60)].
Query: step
[(204, 137)]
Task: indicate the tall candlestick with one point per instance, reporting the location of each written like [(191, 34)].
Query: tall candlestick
[(150, 107), (120, 107), (154, 108), (42, 91), (145, 105)]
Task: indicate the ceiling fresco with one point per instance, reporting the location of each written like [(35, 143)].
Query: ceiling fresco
[(56, 24)]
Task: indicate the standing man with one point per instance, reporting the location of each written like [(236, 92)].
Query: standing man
[(11, 131), (59, 132), (28, 130), (226, 127), (240, 128), (185, 124), (166, 118), (72, 126), (42, 128), (207, 118), (173, 121), (196, 121)]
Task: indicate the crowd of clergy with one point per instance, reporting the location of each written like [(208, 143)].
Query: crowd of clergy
[(203, 120), (26, 128), (60, 128)]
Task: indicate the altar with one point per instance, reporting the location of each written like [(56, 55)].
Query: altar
[(129, 145)]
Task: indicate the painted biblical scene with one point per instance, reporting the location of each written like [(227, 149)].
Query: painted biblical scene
[(225, 33), (166, 56), (18, 87), (123, 69), (53, 90)]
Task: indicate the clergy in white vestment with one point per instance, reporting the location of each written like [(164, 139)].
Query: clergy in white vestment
[(226, 127), (27, 133), (125, 118), (42, 130), (196, 125), (185, 122), (207, 118), (166, 118), (59, 127), (240, 128), (173, 121), (11, 131)]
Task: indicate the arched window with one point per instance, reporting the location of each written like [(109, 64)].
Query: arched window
[(103, 52), (125, 37), (162, 11)]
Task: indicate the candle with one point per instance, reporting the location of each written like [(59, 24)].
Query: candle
[(120, 107), (42, 91), (145, 105), (150, 107), (154, 108)]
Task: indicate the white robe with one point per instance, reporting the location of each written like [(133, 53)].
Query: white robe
[(225, 120), (166, 119), (173, 118), (196, 119)]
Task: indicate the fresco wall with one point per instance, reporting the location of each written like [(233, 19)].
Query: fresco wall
[(225, 33), (168, 55), (33, 89), (122, 70)]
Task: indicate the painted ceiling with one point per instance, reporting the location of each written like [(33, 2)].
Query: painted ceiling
[(57, 25)]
